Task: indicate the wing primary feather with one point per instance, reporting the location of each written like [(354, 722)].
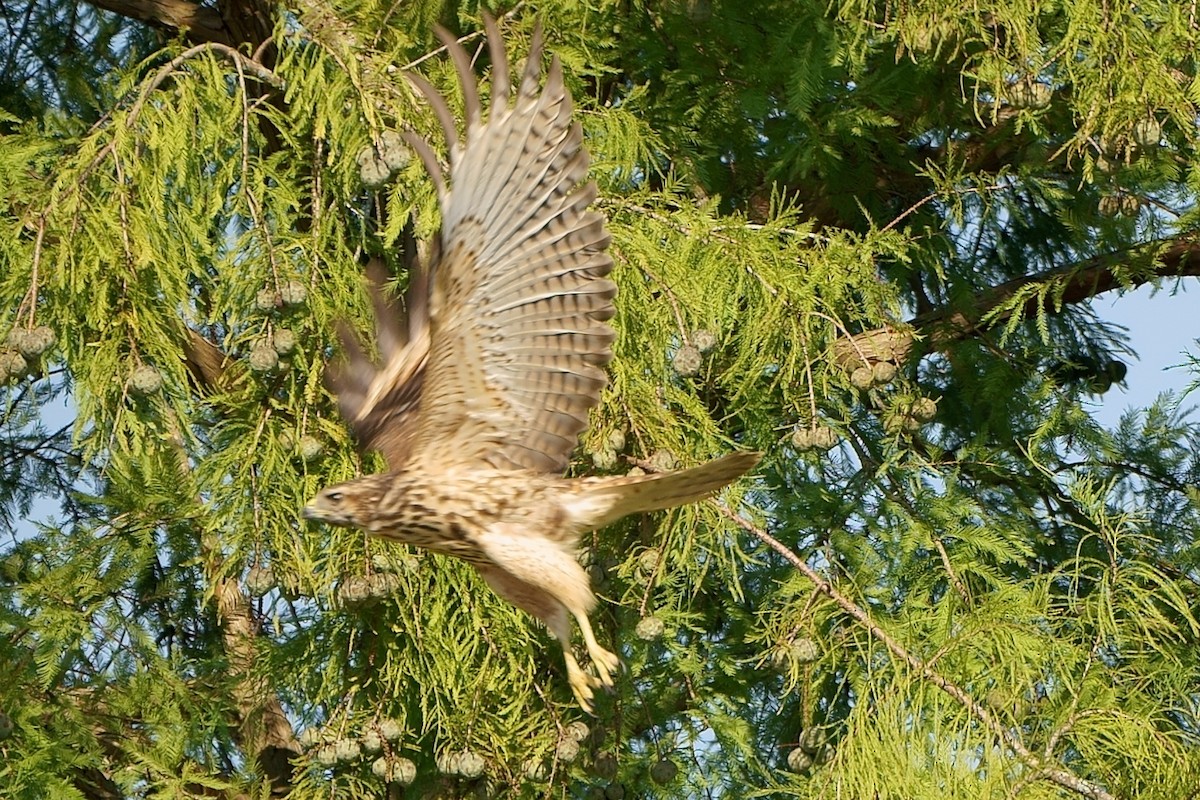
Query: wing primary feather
[(349, 379), (512, 186), (545, 209), (587, 238), (516, 336), (500, 77), (533, 65), (390, 334), (509, 151), (466, 77), (416, 298), (509, 131), (440, 109), (506, 156), (429, 159)]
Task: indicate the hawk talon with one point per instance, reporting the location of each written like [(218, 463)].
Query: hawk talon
[(603, 661), (581, 683), (606, 664)]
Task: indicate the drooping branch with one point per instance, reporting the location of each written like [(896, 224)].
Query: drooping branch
[(93, 784), (237, 26), (260, 725), (1040, 766), (1066, 286)]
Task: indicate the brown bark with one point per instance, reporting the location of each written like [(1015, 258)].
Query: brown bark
[(263, 730), (235, 23), (206, 363), (1077, 283), (249, 21), (95, 785), (201, 24), (1080, 282)]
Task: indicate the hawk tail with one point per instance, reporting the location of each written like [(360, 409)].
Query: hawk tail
[(603, 501)]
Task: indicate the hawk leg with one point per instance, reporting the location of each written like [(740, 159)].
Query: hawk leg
[(605, 661), (582, 683), (539, 576), (540, 604)]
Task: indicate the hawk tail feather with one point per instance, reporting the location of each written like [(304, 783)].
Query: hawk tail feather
[(605, 500)]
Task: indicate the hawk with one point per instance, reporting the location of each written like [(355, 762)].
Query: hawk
[(489, 370)]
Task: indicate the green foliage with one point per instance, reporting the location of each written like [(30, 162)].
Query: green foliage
[(990, 594)]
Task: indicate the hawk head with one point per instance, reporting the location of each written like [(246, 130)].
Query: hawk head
[(349, 504)]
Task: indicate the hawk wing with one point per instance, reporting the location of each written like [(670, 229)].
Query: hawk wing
[(381, 402), (518, 298)]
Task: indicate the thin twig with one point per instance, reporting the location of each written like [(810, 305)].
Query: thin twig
[(258, 70), (683, 334), (911, 209), (1054, 773), (29, 304), (956, 581)]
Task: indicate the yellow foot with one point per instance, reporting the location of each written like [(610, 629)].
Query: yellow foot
[(605, 663), (581, 683)]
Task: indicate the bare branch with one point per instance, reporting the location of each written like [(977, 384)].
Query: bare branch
[(201, 24), (1081, 282), (1078, 283), (264, 731), (93, 784)]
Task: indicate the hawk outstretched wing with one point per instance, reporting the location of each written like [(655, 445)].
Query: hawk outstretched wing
[(381, 403), (504, 358), (492, 365)]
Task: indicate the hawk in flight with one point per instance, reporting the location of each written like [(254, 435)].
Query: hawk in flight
[(490, 368)]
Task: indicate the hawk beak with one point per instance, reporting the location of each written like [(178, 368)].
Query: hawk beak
[(310, 511)]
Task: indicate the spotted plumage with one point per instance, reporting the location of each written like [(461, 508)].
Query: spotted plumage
[(491, 364)]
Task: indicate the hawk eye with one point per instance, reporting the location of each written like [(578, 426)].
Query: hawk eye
[(334, 497)]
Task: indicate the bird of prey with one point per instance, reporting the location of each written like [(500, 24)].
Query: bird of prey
[(489, 370)]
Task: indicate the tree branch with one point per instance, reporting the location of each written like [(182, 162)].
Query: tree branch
[(1080, 282), (1039, 766), (1077, 283), (262, 729), (200, 23), (93, 784)]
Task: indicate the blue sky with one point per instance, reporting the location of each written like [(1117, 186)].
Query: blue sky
[(1162, 328)]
